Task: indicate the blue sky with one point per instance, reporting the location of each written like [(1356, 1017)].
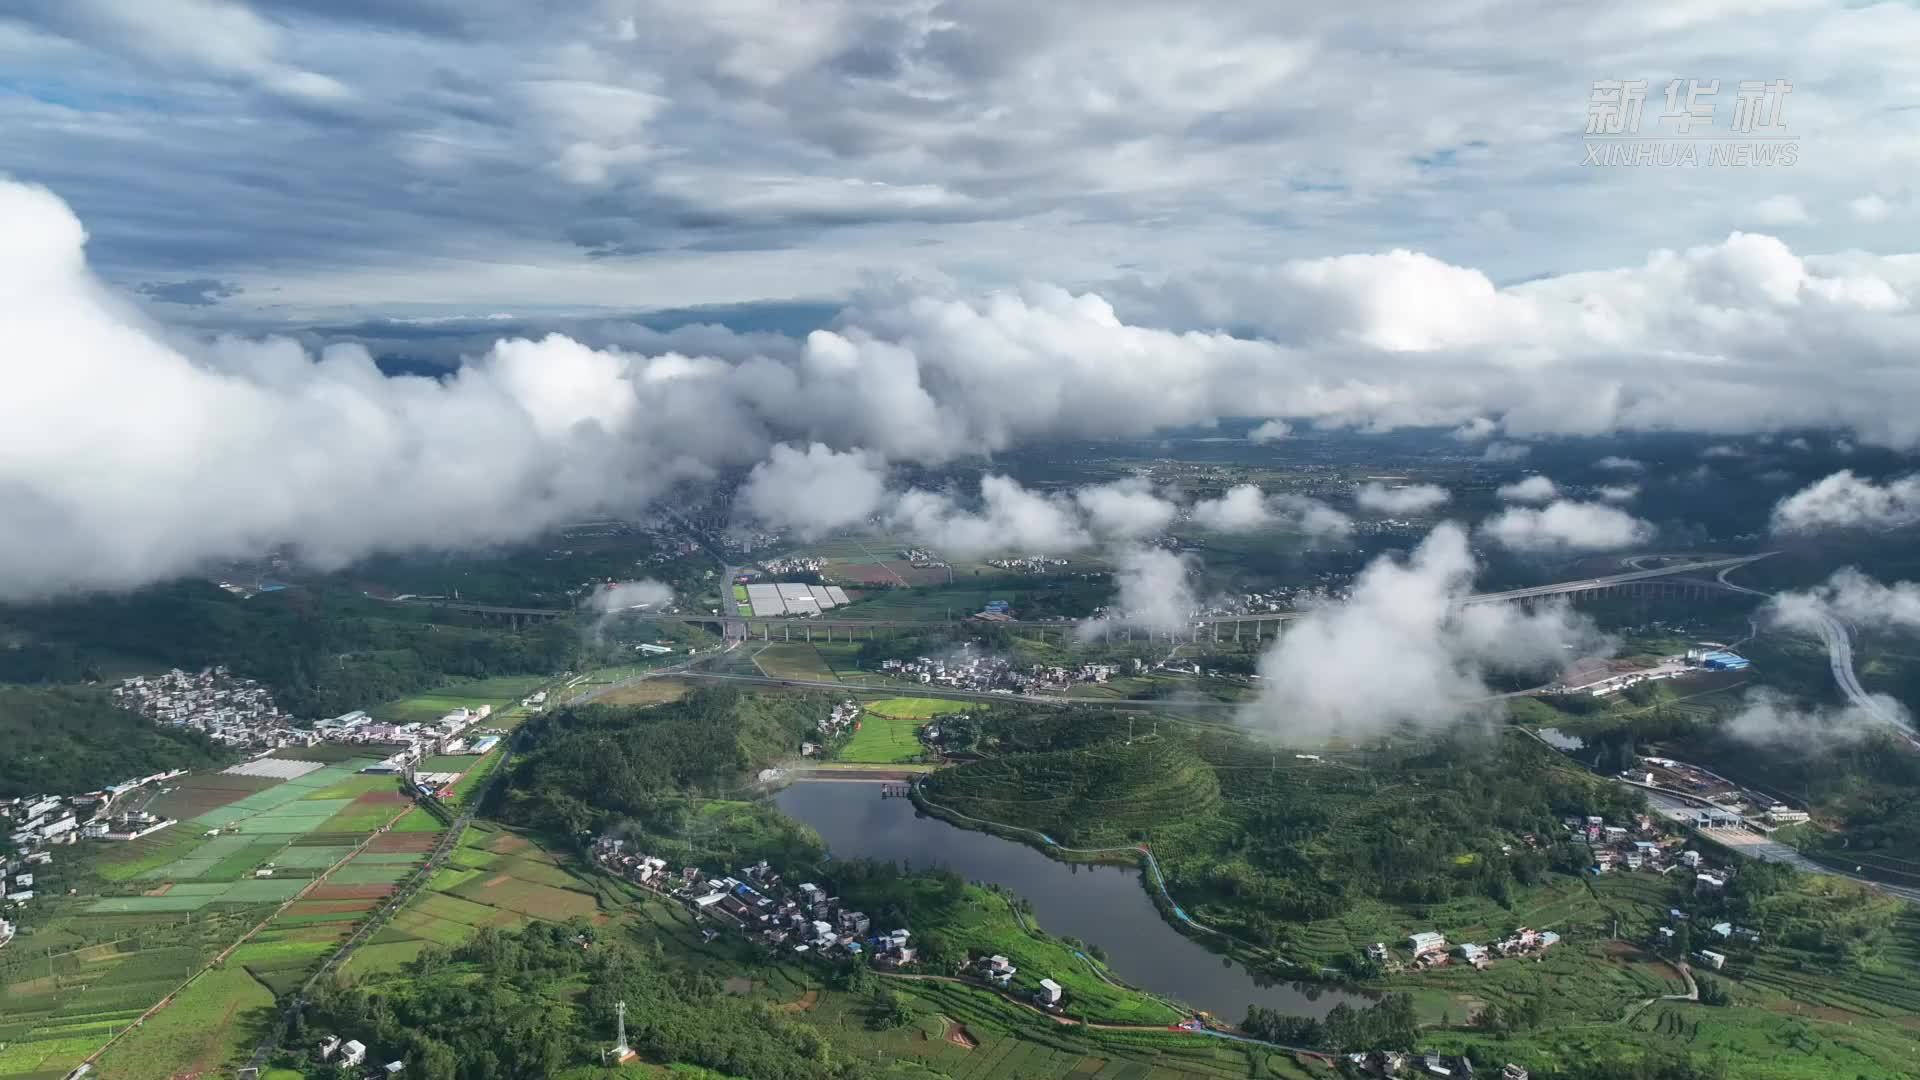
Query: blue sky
[(300, 161)]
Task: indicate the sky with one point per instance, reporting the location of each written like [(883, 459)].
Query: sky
[(286, 162)]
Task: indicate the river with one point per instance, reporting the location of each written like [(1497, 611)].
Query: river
[(1106, 906)]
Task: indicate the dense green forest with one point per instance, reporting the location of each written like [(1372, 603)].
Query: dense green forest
[(1256, 839), (67, 740), (532, 1004), (321, 651), (589, 766)]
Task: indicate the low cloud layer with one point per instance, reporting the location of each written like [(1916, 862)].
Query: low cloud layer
[(814, 491), (631, 595), (1854, 597), (1152, 593), (1245, 508), (1769, 717), (1617, 463), (1408, 499), (130, 452), (1618, 493), (1271, 431), (1566, 526), (1846, 501), (1401, 650), (1533, 489)]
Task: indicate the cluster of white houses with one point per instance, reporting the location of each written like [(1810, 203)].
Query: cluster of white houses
[(1430, 948), (34, 824), (351, 1054), (802, 919), (213, 701), (458, 732), (1396, 1063)]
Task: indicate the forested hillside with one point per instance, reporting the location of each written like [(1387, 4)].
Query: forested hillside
[(590, 765), (1257, 838), (322, 652), (69, 740), (534, 1004)]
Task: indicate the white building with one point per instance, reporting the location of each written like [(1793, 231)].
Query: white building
[(1049, 992)]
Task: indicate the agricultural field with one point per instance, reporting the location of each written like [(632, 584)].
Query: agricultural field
[(792, 660), (501, 693), (150, 914), (494, 878), (919, 708), (211, 1025), (880, 740)]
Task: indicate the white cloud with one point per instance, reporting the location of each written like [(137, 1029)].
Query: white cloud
[(1406, 499), (1723, 450), (1776, 210), (814, 491), (1616, 463), (1152, 593), (1476, 430), (1242, 508), (1769, 717), (1505, 452), (1845, 501), (1402, 650), (1271, 431), (1245, 508), (1870, 209), (1125, 509), (1011, 518), (1854, 597), (1533, 489), (630, 595), (1618, 492), (1566, 526)]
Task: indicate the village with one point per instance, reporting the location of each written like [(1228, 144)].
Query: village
[(1646, 845), (35, 824), (804, 919), (996, 674), (215, 702)]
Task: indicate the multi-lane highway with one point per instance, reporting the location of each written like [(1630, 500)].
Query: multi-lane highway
[(1839, 642), (1563, 588)]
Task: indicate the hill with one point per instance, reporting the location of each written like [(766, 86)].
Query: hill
[(69, 740)]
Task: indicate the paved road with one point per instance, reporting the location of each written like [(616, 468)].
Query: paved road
[(1839, 642)]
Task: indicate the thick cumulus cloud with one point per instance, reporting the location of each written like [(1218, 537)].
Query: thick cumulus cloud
[(128, 455), (129, 452), (1846, 501), (1407, 499), (814, 491), (1533, 489), (1125, 509), (1009, 518), (1566, 526), (1245, 508), (1152, 592), (1402, 650), (1271, 431), (1854, 597)]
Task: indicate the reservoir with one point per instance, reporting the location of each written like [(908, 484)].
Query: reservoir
[(1106, 906)]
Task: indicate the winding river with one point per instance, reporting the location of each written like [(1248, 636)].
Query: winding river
[(1101, 905)]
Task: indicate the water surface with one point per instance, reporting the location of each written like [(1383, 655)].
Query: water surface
[(1106, 906)]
